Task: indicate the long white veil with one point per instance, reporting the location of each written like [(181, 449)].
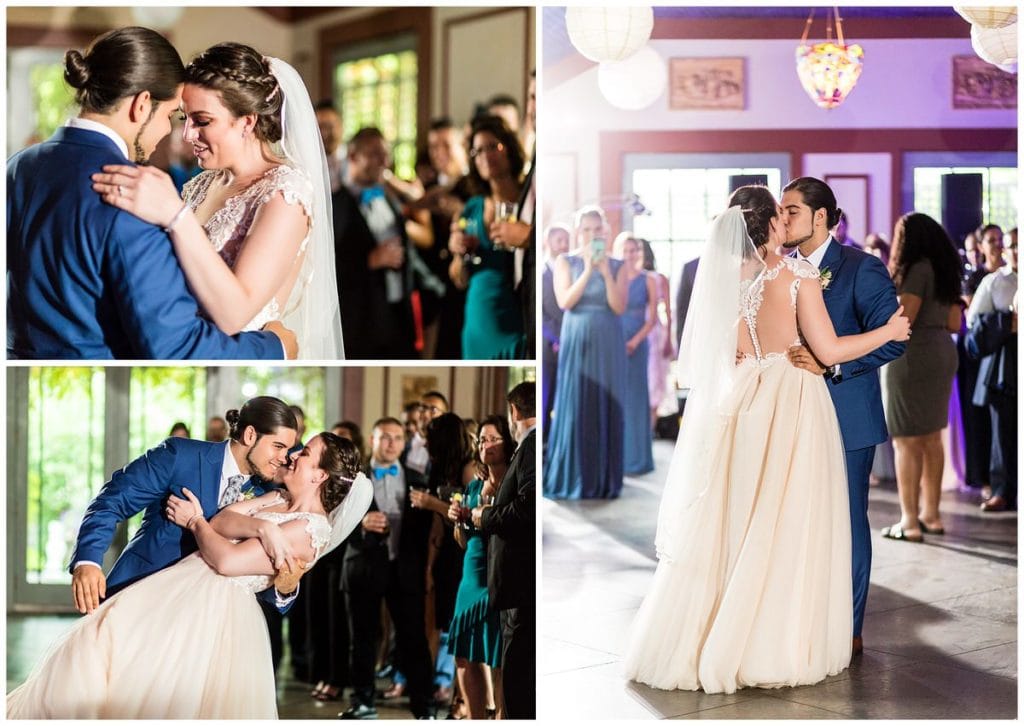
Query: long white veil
[(313, 310), (707, 363), (346, 516)]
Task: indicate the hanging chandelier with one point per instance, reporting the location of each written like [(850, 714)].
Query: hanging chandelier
[(828, 71)]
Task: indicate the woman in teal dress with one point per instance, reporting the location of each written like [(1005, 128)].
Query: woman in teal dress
[(493, 327), (474, 635), (640, 316)]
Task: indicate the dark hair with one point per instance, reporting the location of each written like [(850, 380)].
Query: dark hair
[(412, 406), (357, 434), (450, 449), (435, 394), (500, 423), (384, 420), (497, 127), (524, 397), (442, 123), (759, 210), (180, 425), (266, 414), (325, 104), (984, 230), (341, 460), (649, 262), (362, 136), (918, 237), (121, 64), (297, 410), (503, 99), (817, 195), (242, 77)]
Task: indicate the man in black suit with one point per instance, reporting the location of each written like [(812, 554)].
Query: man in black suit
[(386, 559), (683, 295), (510, 524), (376, 266)]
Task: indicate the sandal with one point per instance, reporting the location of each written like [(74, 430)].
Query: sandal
[(328, 693), (930, 530), (318, 689), (896, 532)]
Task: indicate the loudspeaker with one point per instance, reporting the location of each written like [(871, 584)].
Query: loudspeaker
[(961, 205), (746, 180)]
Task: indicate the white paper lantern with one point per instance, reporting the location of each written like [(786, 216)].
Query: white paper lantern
[(634, 83), (988, 16), (609, 34), (997, 46)]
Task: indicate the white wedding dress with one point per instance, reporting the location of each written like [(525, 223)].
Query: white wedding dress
[(183, 642), (753, 586), (228, 227)]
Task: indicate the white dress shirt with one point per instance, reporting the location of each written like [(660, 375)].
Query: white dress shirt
[(818, 255), (995, 293)]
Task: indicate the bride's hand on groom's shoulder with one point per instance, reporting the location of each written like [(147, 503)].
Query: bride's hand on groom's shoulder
[(145, 191)]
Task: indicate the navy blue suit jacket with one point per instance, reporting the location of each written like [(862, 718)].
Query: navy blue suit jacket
[(145, 484), (87, 280), (859, 297)]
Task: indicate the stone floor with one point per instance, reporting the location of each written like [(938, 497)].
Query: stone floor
[(940, 635)]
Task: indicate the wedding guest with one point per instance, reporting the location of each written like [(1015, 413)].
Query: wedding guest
[(585, 449), (510, 525), (493, 327), (992, 319), (840, 235), (506, 108), (385, 560), (434, 404), (683, 294), (180, 430), (660, 351), (556, 242), (876, 245), (216, 429), (329, 121), (637, 320), (350, 430), (991, 247), (475, 630), (925, 268)]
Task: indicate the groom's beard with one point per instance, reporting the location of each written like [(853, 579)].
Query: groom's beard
[(791, 244), (141, 158)]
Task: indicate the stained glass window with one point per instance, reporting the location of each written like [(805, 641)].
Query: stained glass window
[(381, 91)]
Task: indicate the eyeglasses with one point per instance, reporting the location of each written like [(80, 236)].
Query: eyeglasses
[(486, 149), (491, 440)]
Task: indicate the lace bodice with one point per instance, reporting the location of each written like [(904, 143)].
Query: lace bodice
[(318, 529), (228, 227), (774, 322)]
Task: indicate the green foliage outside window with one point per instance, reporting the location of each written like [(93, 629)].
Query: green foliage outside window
[(303, 387), (381, 91), (52, 99)]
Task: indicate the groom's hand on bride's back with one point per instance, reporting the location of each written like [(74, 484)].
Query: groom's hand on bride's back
[(88, 586), (291, 345)]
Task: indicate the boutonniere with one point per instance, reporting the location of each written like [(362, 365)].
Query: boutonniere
[(825, 276), (250, 494)]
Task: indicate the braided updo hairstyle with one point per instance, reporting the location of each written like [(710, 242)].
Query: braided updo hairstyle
[(246, 86), (342, 461), (121, 64), (759, 210)]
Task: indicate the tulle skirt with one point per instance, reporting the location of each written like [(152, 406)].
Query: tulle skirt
[(761, 592), (181, 643)]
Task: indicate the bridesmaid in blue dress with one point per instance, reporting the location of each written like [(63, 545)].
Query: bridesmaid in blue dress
[(584, 452), (493, 327), (637, 321)]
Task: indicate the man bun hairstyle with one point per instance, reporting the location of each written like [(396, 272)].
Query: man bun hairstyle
[(341, 461), (759, 210), (246, 86), (120, 64), (266, 414), (817, 195)]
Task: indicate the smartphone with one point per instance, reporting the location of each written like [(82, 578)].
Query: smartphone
[(597, 249)]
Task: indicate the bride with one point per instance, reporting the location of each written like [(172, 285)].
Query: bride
[(753, 584), (190, 641), (254, 233)]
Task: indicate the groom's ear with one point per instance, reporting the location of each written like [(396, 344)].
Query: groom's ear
[(249, 436), (140, 106)]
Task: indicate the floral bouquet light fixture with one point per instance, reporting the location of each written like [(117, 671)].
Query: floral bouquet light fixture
[(828, 71)]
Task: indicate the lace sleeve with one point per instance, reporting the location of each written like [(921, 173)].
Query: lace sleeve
[(319, 532), (293, 184), (801, 269), (195, 188)]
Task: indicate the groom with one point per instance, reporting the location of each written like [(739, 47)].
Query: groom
[(859, 296), (84, 279), (217, 473)]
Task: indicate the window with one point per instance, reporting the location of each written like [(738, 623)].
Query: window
[(998, 192), (38, 99), (381, 90)]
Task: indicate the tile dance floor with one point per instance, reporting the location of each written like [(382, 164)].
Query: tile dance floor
[(940, 633)]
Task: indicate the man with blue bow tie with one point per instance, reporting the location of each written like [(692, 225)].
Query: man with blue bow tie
[(386, 559), (219, 474)]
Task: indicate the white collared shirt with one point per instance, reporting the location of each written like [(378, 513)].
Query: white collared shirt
[(89, 125), (818, 255), (228, 470), (995, 293)]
